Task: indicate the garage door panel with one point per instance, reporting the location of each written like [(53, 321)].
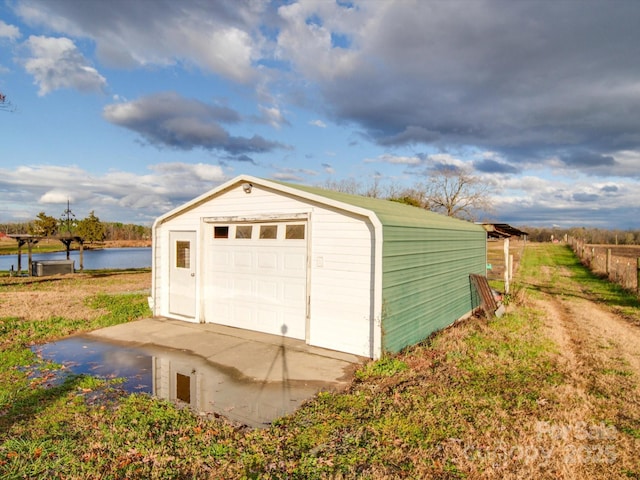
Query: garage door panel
[(243, 287), (268, 319), (243, 260), (267, 291), (295, 261), (267, 261), (293, 327), (221, 260), (244, 314), (259, 283), (292, 292)]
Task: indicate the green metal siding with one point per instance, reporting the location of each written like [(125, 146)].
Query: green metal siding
[(425, 280), (426, 262)]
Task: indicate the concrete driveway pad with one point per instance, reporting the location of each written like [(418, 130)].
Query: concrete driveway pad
[(247, 376)]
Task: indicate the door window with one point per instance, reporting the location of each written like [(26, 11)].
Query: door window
[(268, 231), (221, 231), (244, 231), (295, 232), (183, 248)]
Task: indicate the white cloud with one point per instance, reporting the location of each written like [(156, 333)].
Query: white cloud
[(220, 37), (56, 196), (56, 63), (309, 45), (328, 168), (318, 123), (114, 196), (9, 31), (272, 116), (294, 174), (228, 51), (395, 160)]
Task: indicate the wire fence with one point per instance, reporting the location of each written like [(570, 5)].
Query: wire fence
[(618, 263)]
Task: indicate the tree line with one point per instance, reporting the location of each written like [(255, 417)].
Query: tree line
[(91, 229)]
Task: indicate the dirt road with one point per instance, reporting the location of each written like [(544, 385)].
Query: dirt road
[(590, 335), (599, 350)]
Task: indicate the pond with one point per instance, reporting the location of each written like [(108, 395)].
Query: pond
[(175, 375), (99, 259)]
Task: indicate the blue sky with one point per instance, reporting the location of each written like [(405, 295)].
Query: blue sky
[(130, 108)]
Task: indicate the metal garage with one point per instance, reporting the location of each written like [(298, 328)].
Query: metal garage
[(343, 272)]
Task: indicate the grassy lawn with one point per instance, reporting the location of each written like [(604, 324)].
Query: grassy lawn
[(482, 399)]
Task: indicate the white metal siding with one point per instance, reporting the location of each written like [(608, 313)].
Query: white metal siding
[(342, 283)]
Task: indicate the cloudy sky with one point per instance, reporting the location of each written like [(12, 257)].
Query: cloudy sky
[(130, 108)]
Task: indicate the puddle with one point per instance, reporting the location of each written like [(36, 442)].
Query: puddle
[(180, 377), (85, 356)]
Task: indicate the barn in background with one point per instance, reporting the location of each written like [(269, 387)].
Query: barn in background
[(338, 271)]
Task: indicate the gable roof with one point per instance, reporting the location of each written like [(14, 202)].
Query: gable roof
[(389, 213)]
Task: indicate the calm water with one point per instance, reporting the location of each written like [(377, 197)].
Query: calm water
[(107, 258)]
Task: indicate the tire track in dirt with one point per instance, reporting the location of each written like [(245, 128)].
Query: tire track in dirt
[(589, 336), (596, 405)]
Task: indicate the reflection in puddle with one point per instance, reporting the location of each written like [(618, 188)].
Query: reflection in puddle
[(85, 356), (181, 377)]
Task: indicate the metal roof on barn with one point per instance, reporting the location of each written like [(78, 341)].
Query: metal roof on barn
[(502, 230)]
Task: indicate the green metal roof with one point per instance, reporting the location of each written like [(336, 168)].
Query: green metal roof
[(393, 213)]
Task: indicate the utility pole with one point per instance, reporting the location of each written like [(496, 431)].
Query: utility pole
[(69, 215)]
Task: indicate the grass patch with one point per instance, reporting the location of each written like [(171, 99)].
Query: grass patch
[(387, 366), (563, 263), (36, 419)]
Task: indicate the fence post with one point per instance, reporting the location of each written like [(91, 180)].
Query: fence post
[(638, 277), (506, 264), (608, 261)]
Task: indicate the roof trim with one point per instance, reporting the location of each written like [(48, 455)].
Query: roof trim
[(280, 187)]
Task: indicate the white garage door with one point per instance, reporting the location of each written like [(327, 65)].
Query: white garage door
[(258, 277)]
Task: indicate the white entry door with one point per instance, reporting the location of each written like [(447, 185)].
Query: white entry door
[(259, 277), (182, 273)]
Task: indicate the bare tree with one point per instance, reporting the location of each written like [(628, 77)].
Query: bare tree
[(373, 188), (448, 191), (456, 193), (348, 185)]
